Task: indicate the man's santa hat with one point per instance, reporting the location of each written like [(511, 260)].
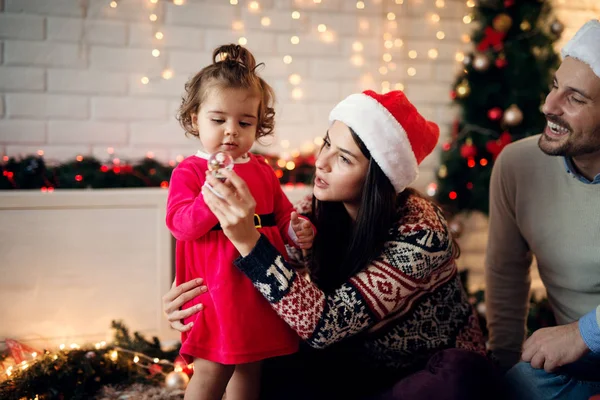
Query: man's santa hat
[(393, 131), (585, 46)]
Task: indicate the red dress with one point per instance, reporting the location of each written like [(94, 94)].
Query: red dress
[(237, 324)]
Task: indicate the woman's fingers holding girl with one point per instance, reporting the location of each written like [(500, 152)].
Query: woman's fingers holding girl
[(179, 295)]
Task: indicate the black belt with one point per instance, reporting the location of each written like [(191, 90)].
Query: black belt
[(260, 221)]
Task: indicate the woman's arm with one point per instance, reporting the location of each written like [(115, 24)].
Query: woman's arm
[(188, 217)]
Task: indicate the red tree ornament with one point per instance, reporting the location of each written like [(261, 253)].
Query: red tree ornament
[(495, 114), (468, 150), (492, 38)]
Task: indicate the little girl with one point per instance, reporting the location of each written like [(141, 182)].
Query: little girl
[(228, 106)]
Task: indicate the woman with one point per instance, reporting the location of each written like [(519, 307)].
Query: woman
[(385, 298)]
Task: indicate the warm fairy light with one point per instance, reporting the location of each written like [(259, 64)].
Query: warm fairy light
[(114, 355), (113, 4), (159, 35), (287, 59), (460, 56), (388, 44), (435, 18), (483, 162), (465, 38), (254, 6), (399, 86), (440, 3), (153, 17), (471, 163), (116, 161), (78, 178), (462, 90), (156, 360), (153, 1), (149, 154), (178, 2), (145, 80), (322, 28), (40, 152), (295, 15), (110, 150), (360, 5), (327, 37), (399, 1), (237, 25), (136, 359), (440, 35), (387, 36), (242, 41), (383, 70), (179, 158), (467, 19), (318, 141), (290, 165), (387, 57), (74, 346), (295, 79), (281, 163), (156, 52), (398, 43), (167, 74), (452, 195), (5, 158), (411, 71), (357, 60), (412, 54), (357, 46), (295, 40), (233, 2), (62, 347), (391, 16), (265, 21), (34, 354), (317, 1), (297, 93), (432, 53), (470, 3), (284, 144)]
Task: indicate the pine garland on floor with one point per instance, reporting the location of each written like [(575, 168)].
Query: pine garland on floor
[(81, 373)]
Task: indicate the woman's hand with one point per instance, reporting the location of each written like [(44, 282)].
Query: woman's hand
[(233, 205), (176, 297)]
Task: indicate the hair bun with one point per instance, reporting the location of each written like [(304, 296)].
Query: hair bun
[(234, 54)]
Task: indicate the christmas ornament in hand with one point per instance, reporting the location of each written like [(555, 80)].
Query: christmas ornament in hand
[(218, 161)]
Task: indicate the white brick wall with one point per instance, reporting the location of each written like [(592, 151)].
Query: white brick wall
[(70, 74)]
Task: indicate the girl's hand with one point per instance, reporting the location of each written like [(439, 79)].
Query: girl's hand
[(176, 297), (233, 205), (303, 230)]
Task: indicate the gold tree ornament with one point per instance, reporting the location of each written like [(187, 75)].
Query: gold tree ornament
[(176, 380), (502, 22), (525, 26), (513, 116), (443, 171), (557, 27), (463, 89)]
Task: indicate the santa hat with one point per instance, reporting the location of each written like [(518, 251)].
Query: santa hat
[(393, 131), (585, 46)]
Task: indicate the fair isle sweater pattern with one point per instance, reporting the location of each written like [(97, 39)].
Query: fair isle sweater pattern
[(407, 304)]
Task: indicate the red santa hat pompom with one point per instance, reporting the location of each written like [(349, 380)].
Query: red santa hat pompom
[(394, 132)]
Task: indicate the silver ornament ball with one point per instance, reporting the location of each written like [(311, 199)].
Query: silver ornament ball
[(481, 62), (176, 380), (513, 116)]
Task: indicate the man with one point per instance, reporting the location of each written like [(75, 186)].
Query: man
[(545, 202)]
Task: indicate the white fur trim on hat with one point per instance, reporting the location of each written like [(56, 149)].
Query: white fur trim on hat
[(383, 136), (585, 46)]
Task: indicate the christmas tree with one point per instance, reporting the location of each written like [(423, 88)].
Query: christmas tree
[(500, 91)]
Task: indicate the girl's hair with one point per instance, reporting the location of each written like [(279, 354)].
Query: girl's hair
[(233, 67), (342, 248)]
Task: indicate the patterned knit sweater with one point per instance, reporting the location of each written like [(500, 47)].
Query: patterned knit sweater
[(399, 310)]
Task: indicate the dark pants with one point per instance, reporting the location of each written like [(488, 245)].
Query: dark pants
[(316, 374)]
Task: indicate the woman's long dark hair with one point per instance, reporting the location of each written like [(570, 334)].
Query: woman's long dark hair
[(343, 248)]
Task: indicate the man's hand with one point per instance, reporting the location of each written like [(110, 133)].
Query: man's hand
[(303, 230), (550, 348)]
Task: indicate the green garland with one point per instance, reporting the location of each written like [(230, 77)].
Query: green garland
[(81, 373), (32, 172)]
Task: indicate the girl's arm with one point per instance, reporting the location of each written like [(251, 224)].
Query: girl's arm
[(188, 217), (416, 262)]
